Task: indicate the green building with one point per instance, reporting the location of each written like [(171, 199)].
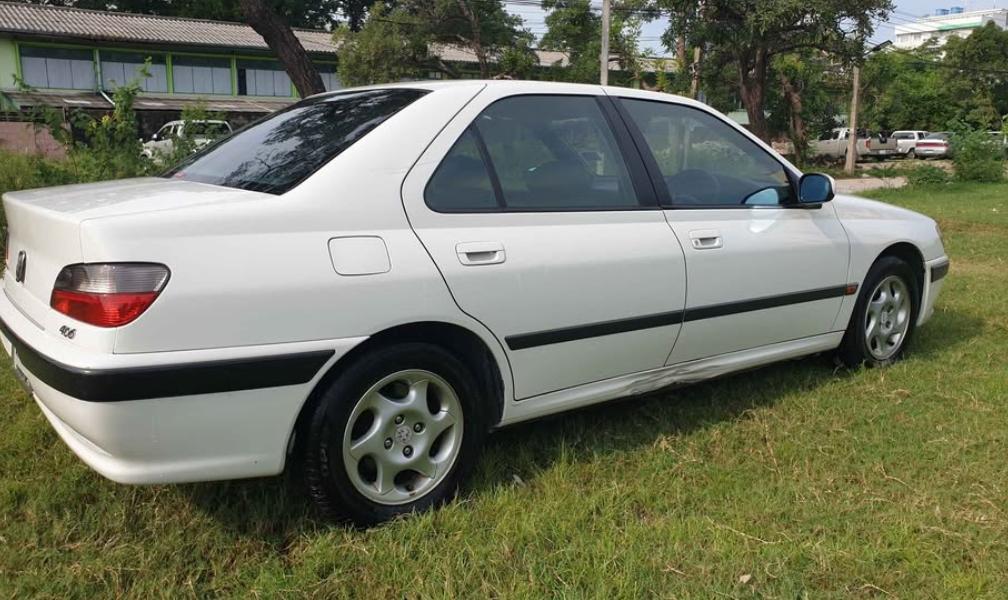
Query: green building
[(72, 59)]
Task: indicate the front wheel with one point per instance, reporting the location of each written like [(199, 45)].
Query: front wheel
[(395, 433), (884, 315)]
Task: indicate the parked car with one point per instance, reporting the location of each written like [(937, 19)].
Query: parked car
[(935, 145), (834, 144), (907, 141), (366, 283), (201, 132)]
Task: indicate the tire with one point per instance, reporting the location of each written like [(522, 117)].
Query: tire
[(911, 154), (879, 338), (358, 457)]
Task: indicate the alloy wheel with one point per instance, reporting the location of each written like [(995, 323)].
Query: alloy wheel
[(403, 436)]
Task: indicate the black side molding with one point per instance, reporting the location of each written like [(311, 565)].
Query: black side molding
[(731, 308), (578, 332), (590, 330), (938, 272), (163, 381)]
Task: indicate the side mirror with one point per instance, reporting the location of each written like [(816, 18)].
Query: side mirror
[(154, 137), (815, 188)]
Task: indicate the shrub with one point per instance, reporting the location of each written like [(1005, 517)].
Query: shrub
[(927, 175), (977, 156), (24, 171)]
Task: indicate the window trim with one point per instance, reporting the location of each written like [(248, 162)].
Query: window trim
[(625, 148), (658, 181)]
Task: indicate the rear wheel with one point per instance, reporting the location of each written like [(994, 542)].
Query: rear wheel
[(395, 433), (884, 315), (911, 154)]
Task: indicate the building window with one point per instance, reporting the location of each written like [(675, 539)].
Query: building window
[(57, 68), (120, 68), (329, 77), (262, 78), (196, 75)]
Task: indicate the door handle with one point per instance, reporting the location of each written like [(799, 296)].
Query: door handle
[(706, 239), (480, 253)]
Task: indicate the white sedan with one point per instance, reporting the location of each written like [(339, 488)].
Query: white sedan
[(368, 282)]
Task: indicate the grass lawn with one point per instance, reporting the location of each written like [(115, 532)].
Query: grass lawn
[(796, 480)]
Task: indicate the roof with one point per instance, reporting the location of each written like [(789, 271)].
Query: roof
[(92, 100), (84, 24), (61, 21)]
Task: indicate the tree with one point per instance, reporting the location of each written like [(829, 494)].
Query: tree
[(806, 104), (281, 40), (576, 30), (908, 90), (406, 36), (977, 67), (753, 32)]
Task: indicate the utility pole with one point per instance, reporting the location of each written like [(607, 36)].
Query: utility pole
[(855, 103), (852, 125), (604, 55)]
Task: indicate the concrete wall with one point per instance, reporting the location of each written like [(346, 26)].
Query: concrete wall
[(26, 139)]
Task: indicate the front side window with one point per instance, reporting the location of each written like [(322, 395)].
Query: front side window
[(57, 68), (706, 162), (275, 154), (199, 75), (546, 153), (121, 68)]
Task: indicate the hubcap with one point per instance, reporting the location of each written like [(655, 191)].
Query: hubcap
[(403, 437), (887, 318)]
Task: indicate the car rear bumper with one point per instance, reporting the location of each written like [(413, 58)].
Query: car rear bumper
[(173, 416), (934, 278), (931, 152)]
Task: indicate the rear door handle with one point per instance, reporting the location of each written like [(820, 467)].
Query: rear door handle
[(706, 239), (480, 253)]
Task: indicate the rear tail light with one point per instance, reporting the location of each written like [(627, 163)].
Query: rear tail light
[(108, 295)]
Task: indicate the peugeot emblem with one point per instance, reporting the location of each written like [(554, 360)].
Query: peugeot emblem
[(22, 264)]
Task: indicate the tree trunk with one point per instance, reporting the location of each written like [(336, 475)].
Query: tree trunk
[(798, 137), (752, 88), (281, 39), (680, 52), (477, 43)]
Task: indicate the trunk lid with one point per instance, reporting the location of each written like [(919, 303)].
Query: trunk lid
[(44, 226)]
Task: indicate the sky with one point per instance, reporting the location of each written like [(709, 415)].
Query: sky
[(906, 11)]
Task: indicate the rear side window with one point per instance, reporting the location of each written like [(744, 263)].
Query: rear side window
[(706, 162), (277, 153), (534, 153)]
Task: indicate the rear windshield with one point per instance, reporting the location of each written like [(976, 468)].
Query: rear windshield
[(937, 136), (276, 153)]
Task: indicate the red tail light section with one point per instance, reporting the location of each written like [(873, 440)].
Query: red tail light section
[(108, 295)]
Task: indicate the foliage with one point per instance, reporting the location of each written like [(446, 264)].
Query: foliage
[(398, 43), (925, 175), (750, 33), (576, 30), (978, 64), (977, 156), (384, 50)]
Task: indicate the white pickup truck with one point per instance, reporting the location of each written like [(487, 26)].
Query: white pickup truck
[(834, 145)]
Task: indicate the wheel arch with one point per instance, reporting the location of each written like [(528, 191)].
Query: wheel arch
[(463, 343), (913, 256)]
